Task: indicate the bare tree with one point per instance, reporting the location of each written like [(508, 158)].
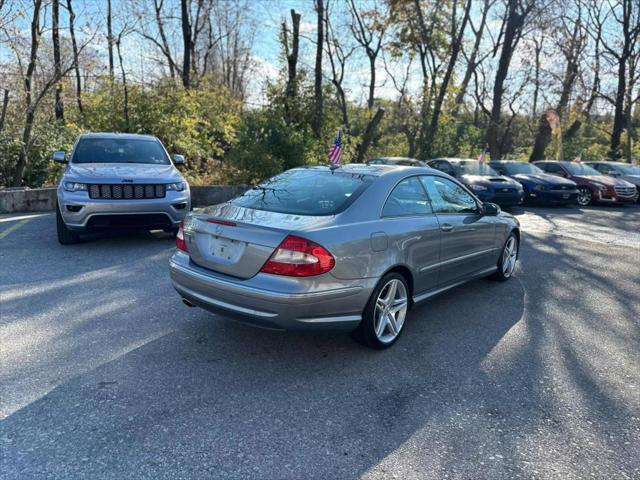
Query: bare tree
[(369, 133), (57, 68), (623, 48), (338, 55), (515, 16), (291, 53), (368, 28), (76, 60), (5, 103), (187, 42), (110, 40), (317, 120)]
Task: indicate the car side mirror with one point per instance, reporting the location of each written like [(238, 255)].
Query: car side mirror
[(178, 159), (59, 157), (490, 209)]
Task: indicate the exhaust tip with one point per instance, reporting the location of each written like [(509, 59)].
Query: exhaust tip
[(187, 303)]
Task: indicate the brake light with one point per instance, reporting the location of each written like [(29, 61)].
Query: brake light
[(180, 243), (221, 222), (299, 257)]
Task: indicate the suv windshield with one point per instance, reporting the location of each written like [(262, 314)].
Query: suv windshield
[(520, 167), (120, 150), (472, 167), (580, 169), (306, 192)]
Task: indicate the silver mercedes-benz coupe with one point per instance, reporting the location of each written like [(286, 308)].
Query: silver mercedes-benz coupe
[(350, 248)]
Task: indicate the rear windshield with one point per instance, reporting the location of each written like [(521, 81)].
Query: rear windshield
[(306, 192), (520, 167), (472, 167), (119, 150)]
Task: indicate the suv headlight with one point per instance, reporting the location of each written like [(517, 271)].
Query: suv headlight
[(177, 186), (74, 187), (479, 188)]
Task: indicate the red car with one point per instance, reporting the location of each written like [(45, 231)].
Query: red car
[(593, 187)]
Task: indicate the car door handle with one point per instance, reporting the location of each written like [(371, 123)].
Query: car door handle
[(445, 227)]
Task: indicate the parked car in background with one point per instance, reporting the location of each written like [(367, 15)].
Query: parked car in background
[(630, 173), (401, 161), (483, 180), (593, 187), (342, 249), (115, 180), (539, 187)]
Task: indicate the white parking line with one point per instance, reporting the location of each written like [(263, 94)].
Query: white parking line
[(23, 217)]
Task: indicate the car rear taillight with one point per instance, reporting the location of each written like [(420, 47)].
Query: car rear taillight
[(299, 257), (180, 243)]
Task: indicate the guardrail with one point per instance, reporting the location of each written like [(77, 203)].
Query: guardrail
[(18, 200)]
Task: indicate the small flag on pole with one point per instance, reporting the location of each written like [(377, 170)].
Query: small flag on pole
[(578, 159), (335, 152), (483, 154)]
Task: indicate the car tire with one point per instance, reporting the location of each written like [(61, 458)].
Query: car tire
[(585, 196), (508, 258), (385, 314), (65, 236)]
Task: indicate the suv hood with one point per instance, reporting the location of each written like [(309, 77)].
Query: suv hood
[(116, 172), (492, 180), (543, 179)]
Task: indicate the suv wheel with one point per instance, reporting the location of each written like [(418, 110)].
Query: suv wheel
[(385, 313), (65, 236)]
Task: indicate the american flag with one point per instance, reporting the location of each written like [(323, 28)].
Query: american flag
[(335, 152), (578, 159), (483, 154)]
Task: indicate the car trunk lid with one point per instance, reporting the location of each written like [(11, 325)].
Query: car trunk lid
[(238, 241)]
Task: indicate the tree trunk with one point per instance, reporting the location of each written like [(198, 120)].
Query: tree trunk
[(76, 60), (186, 42), (3, 112), (125, 87), (291, 53), (57, 68), (368, 135), (512, 34), (110, 40), (543, 137), (25, 149), (317, 124), (456, 45), (618, 116)]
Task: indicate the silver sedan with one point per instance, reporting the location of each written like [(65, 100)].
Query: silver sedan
[(349, 249)]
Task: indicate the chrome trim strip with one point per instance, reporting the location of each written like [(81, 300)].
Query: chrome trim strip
[(259, 291), (426, 295), (218, 303), (346, 318), (457, 259)]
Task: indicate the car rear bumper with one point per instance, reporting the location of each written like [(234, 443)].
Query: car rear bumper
[(271, 302), (80, 213)]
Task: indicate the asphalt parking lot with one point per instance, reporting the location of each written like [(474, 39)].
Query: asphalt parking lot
[(104, 373)]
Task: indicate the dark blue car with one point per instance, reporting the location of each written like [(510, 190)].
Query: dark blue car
[(539, 187), (481, 179)]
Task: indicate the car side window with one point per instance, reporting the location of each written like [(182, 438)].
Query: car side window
[(407, 198), (447, 196), (446, 168), (499, 168), (551, 168)]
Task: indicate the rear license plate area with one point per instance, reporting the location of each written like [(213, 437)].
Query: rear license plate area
[(225, 249)]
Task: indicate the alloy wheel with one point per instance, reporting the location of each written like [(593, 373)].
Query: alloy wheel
[(390, 311), (509, 257), (584, 196)]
